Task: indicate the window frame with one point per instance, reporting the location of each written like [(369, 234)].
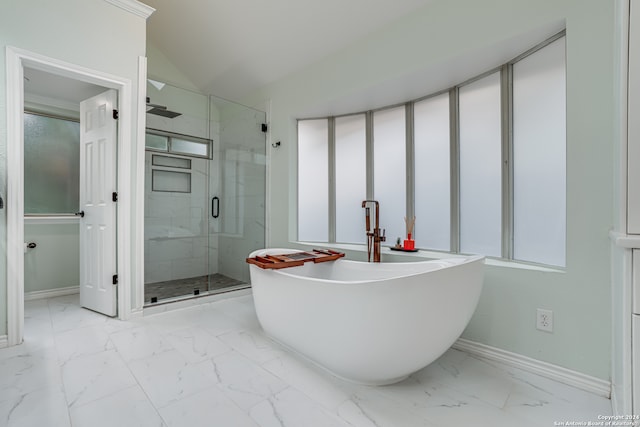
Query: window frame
[(55, 116), (507, 197), (170, 135)]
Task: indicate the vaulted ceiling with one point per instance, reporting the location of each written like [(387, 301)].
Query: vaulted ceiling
[(231, 47)]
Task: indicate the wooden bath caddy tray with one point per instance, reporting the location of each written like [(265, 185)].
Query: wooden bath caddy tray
[(295, 259)]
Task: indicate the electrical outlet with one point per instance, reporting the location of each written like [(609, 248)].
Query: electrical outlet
[(544, 320)]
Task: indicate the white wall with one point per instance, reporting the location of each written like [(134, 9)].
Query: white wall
[(159, 67), (90, 33), (405, 61)]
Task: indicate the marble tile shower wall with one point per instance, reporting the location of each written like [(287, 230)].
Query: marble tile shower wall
[(176, 231)]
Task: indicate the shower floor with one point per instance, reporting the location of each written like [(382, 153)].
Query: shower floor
[(185, 287)]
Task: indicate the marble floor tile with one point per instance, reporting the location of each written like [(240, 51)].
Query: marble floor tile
[(38, 333), (547, 401), (127, 408), (212, 365), (311, 380), (473, 377), (291, 408), (368, 406), (241, 309), (82, 342), (22, 371), (17, 409), (217, 322), (167, 377), (244, 382), (353, 415), (177, 319), (196, 344), (66, 314), (252, 344), (206, 408), (140, 342), (94, 376), (37, 310)]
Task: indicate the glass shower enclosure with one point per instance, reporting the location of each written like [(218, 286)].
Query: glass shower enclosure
[(205, 168)]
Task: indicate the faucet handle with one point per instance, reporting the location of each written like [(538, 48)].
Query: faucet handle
[(383, 238)]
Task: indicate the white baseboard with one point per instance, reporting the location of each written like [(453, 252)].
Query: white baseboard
[(4, 341), (51, 293), (614, 402), (557, 373), (136, 313)]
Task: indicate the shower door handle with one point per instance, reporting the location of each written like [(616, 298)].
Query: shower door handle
[(215, 207)]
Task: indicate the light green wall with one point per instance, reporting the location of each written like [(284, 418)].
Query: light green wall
[(55, 262), (90, 33), (442, 31)]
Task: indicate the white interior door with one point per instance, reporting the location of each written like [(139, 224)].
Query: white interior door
[(98, 131)]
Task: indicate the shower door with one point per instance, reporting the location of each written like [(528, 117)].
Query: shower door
[(237, 186), (177, 170), (176, 219)]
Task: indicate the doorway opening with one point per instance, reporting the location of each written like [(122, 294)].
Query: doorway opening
[(25, 71)]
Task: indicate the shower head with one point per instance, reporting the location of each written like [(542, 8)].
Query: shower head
[(160, 110), (163, 112)]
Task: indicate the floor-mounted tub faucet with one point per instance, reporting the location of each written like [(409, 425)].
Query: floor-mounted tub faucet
[(374, 236)]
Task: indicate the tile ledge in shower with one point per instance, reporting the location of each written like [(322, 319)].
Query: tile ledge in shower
[(494, 262)]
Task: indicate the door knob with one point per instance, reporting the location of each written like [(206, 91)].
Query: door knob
[(80, 214), (31, 245)]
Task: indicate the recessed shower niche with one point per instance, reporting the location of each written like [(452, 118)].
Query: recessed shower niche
[(205, 167)]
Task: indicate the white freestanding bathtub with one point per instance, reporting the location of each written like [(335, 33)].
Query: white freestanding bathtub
[(370, 323)]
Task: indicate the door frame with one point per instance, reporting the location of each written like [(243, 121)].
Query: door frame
[(18, 59)]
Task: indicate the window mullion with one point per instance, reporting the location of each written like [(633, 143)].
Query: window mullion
[(454, 135), (507, 160), (410, 156), (369, 151), (332, 180)]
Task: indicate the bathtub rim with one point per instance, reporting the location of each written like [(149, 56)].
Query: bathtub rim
[(276, 251)]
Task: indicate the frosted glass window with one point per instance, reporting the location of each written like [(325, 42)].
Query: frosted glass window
[(172, 162), (480, 167), (313, 180), (351, 178), (389, 169), (539, 156), (194, 148), (52, 165), (156, 142), (168, 181), (432, 173)]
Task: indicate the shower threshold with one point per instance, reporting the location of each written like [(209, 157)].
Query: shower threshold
[(192, 287)]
